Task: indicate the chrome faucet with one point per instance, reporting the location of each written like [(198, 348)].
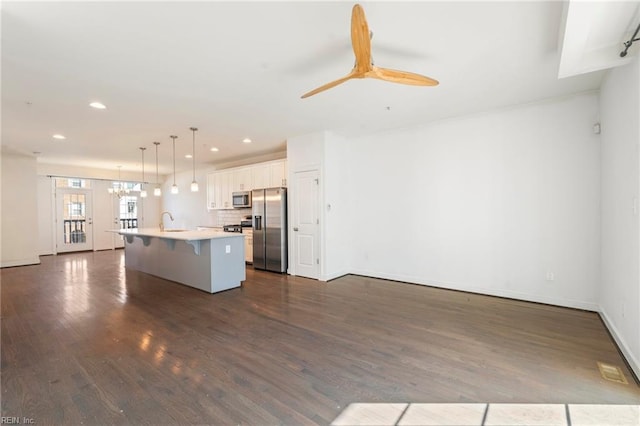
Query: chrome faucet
[(162, 222)]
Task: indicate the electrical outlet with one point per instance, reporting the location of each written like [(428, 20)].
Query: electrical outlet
[(551, 276), (227, 249)]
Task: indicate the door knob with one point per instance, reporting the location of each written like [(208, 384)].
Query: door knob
[(295, 229)]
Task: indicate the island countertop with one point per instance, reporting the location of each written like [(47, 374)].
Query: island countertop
[(179, 234)]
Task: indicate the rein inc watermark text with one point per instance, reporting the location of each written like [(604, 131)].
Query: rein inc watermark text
[(15, 420)]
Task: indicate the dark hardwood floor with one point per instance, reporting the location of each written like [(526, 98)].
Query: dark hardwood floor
[(86, 341)]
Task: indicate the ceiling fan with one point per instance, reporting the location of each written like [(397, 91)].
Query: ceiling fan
[(363, 68)]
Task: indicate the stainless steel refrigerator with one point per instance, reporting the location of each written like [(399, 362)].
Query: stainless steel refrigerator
[(270, 229)]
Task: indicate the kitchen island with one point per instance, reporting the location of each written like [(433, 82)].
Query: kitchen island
[(207, 260)]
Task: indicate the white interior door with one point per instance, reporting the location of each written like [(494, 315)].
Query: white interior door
[(103, 214), (305, 226), (74, 221), (118, 240)]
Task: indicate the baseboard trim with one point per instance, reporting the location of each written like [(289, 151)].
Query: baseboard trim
[(329, 277), (632, 361), (20, 262), (566, 303)]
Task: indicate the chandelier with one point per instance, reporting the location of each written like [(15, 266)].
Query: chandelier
[(118, 188)]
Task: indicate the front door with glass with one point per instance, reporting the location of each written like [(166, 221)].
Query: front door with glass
[(127, 215), (74, 224)]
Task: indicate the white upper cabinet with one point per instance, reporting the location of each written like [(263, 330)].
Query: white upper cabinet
[(278, 173), (269, 175), (242, 179), (260, 176), (211, 191), (219, 191), (222, 184)]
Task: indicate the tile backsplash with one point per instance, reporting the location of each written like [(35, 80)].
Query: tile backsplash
[(232, 217)]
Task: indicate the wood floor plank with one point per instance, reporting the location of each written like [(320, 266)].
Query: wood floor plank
[(84, 340)]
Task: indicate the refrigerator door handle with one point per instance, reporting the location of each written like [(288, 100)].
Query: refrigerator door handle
[(258, 223)]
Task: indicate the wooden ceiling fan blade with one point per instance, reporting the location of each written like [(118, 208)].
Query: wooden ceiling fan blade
[(402, 77), (361, 43), (329, 85), (360, 39)]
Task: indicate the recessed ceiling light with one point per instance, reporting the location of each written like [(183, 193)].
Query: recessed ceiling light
[(214, 149), (97, 105), (57, 136), (246, 140), (188, 156)]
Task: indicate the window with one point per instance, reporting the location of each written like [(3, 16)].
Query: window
[(76, 210), (126, 187), (74, 218), (72, 183), (128, 212)]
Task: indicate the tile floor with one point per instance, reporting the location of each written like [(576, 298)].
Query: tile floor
[(488, 414)]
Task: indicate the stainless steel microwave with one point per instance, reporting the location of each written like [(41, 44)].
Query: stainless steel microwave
[(241, 199)]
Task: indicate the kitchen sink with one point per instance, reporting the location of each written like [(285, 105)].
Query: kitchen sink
[(175, 230)]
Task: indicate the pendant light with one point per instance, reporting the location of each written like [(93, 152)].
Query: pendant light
[(194, 184), (174, 187), (143, 192), (157, 191)]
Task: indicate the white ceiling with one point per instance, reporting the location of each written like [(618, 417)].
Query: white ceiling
[(238, 69)]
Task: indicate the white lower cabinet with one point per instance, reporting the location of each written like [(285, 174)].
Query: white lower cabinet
[(248, 244)]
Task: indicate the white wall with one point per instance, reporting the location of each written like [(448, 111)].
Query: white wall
[(46, 244), (189, 209), (337, 211), (150, 206), (19, 210), (619, 294), (488, 203), (329, 154), (62, 170), (104, 213), (304, 153)]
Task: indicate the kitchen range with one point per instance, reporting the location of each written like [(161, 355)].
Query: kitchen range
[(244, 227)]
